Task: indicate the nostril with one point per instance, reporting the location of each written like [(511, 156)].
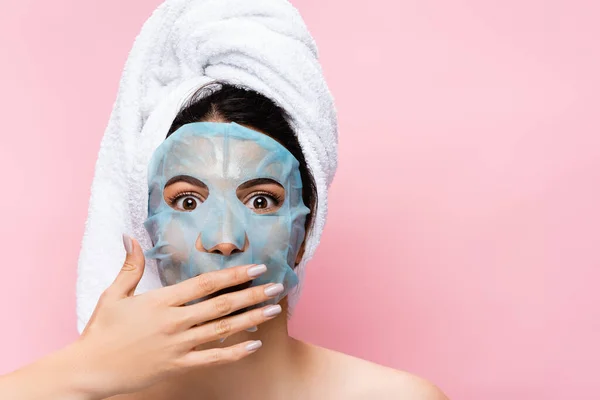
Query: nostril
[(225, 249)]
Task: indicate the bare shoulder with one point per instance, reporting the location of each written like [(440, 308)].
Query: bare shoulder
[(355, 378)]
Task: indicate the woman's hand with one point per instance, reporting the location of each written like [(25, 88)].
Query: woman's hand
[(132, 341)]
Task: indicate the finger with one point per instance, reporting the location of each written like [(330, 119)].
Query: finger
[(227, 326), (227, 303), (220, 355), (209, 282), (132, 270)]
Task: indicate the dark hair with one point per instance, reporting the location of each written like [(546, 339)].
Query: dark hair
[(220, 101)]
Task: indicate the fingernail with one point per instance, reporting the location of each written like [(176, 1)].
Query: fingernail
[(271, 311), (127, 244), (253, 346), (252, 329), (273, 290), (257, 270)]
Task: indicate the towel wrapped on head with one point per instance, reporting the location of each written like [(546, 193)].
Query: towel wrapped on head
[(262, 45)]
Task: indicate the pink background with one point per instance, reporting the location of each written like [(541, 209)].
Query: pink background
[(462, 242)]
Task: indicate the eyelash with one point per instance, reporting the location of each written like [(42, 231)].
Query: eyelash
[(173, 200), (278, 199)]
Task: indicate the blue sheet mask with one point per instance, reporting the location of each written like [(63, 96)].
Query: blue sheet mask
[(224, 156)]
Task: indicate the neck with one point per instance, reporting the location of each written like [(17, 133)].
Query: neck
[(273, 365)]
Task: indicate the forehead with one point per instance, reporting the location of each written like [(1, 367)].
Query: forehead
[(235, 154)]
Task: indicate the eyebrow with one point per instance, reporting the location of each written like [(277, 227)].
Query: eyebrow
[(257, 181), (188, 179)]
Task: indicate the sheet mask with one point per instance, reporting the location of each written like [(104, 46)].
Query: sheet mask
[(224, 156)]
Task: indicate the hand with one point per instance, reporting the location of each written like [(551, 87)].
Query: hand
[(132, 341)]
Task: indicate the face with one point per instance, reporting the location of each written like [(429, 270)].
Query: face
[(222, 195)]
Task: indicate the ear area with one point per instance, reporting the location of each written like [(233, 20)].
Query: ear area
[(300, 253)]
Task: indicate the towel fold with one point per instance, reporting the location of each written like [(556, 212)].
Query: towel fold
[(262, 45)]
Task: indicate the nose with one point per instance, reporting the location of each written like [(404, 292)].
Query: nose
[(223, 231), (225, 249)]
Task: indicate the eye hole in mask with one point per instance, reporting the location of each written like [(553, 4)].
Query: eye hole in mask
[(262, 195)]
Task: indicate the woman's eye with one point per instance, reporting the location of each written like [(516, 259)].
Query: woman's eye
[(261, 202), (187, 203)]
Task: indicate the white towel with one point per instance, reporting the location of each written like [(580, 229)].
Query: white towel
[(263, 45)]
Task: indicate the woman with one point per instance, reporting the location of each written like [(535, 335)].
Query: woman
[(134, 348), (217, 328)]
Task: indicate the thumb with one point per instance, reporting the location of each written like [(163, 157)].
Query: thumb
[(132, 270)]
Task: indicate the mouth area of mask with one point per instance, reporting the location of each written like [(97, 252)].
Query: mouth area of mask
[(222, 195)]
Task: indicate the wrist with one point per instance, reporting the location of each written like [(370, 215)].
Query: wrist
[(55, 376), (65, 374), (74, 366)]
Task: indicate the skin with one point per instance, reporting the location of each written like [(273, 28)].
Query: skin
[(154, 347), (148, 347), (284, 365), (134, 341)]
